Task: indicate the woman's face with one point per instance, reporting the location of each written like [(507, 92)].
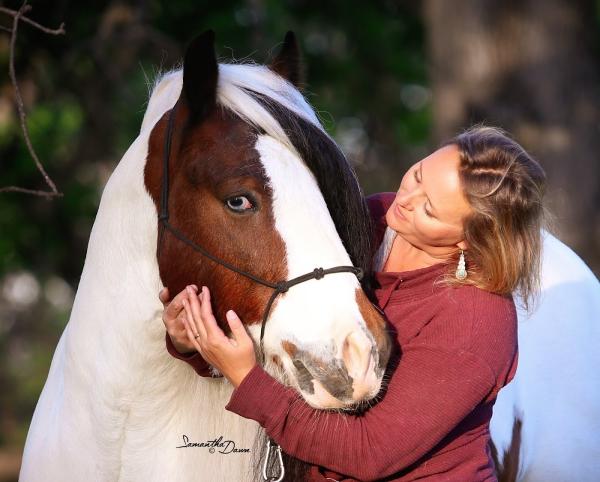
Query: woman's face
[(430, 206)]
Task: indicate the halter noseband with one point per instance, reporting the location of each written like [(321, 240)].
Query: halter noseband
[(278, 287)]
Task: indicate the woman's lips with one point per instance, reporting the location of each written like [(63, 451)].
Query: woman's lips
[(399, 213)]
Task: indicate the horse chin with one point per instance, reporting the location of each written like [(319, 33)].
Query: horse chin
[(322, 399), (334, 391)]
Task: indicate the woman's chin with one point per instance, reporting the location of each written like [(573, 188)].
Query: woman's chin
[(390, 220), (394, 224)]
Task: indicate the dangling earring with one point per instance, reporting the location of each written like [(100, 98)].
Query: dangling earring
[(461, 271)]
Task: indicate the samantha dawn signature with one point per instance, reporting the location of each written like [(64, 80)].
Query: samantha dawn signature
[(224, 446)]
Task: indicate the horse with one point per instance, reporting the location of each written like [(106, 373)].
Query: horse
[(546, 422), (255, 180)]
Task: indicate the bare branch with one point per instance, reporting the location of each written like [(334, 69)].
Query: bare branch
[(30, 191), (51, 31), (18, 15)]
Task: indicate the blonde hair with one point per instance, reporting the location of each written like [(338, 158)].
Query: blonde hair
[(504, 186)]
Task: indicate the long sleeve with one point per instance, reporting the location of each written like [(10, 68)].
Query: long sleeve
[(195, 360), (378, 205), (430, 392)]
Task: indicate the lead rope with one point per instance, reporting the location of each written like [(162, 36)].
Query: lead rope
[(279, 287)]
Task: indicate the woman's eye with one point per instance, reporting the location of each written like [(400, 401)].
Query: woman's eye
[(427, 213), (239, 204)]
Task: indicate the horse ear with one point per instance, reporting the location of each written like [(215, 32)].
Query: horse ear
[(200, 75), (288, 62)]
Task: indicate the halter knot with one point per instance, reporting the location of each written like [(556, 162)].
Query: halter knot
[(282, 287), (319, 273)]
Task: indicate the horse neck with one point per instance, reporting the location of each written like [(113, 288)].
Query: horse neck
[(118, 290)]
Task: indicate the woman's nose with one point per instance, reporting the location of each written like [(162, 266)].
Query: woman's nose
[(406, 198)]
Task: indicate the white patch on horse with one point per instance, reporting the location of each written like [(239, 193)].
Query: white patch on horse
[(311, 240)]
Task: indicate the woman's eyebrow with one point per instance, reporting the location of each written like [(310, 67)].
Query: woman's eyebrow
[(421, 176)]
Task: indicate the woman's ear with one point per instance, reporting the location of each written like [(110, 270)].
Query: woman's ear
[(463, 245)]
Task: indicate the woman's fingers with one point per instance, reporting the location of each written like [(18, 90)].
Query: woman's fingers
[(194, 306), (192, 337), (192, 318), (163, 296), (174, 307), (210, 323), (180, 325), (173, 316)]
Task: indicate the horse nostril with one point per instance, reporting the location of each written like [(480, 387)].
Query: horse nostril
[(303, 376), (356, 354)]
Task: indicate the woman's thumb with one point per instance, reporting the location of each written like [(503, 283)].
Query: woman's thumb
[(237, 328)]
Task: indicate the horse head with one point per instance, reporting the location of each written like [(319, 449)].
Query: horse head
[(255, 181)]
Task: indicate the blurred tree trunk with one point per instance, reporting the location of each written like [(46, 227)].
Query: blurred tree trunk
[(528, 66)]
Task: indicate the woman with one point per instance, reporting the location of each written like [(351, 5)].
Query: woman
[(461, 234)]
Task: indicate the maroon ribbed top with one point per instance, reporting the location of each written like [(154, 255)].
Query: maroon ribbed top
[(458, 349)]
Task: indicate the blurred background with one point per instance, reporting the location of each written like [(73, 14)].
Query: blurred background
[(390, 80)]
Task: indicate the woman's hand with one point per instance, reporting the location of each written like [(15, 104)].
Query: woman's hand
[(174, 319), (233, 357)]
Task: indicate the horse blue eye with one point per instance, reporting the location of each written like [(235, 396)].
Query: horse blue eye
[(239, 204)]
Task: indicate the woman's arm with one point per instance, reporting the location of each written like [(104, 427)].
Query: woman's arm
[(429, 393), (441, 377)]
